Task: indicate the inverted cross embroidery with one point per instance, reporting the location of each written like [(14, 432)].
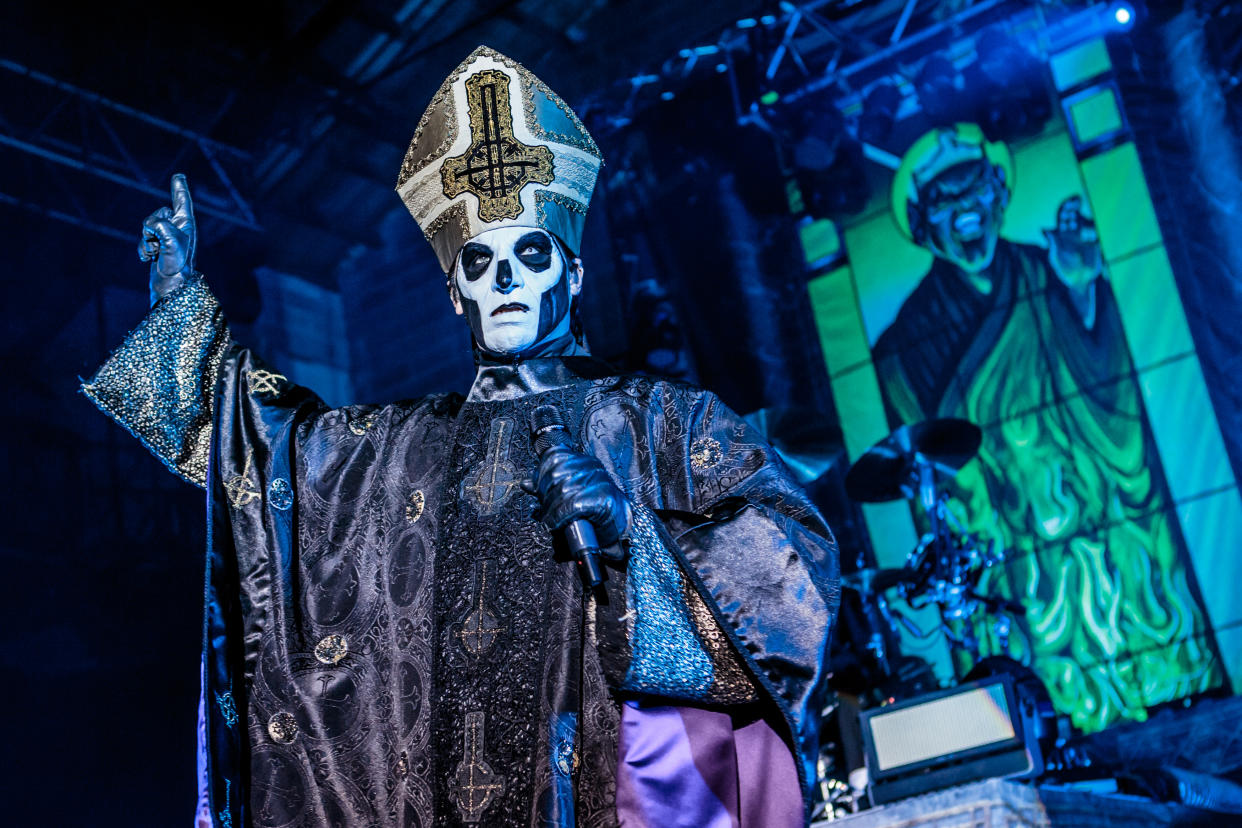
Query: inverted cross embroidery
[(239, 489), (263, 381), (478, 786), (279, 797), (490, 485), (479, 629), (496, 165)]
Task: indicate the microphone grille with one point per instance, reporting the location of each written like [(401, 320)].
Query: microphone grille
[(545, 417), (547, 428)]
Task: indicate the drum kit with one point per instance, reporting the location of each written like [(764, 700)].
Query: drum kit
[(944, 570), (913, 463)]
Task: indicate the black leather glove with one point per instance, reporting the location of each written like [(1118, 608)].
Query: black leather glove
[(570, 485), (169, 238)]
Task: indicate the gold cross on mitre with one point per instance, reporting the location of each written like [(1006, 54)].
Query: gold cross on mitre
[(496, 147), (496, 165)]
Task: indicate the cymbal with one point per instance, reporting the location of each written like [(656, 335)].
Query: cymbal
[(808, 441), (880, 473), (878, 580)]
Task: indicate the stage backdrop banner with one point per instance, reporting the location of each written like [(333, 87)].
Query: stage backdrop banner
[(1022, 283)]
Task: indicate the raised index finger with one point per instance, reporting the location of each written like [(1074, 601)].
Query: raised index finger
[(183, 205)]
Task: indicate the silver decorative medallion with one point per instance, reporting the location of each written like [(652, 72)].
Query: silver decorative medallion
[(280, 494), (566, 758), (331, 649), (361, 425), (705, 453), (283, 728), (414, 508)]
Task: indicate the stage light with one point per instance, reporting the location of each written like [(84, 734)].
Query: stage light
[(1122, 15), (939, 86), (827, 161), (879, 114)]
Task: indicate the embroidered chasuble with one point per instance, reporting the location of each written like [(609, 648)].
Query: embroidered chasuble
[(393, 638)]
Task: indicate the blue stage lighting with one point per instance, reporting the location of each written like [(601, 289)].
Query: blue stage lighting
[(1123, 15)]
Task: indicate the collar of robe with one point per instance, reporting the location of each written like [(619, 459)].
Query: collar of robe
[(511, 380)]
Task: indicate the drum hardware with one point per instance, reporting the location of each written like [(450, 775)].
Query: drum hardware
[(945, 568), (904, 463)]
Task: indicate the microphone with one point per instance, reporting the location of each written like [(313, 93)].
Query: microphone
[(547, 430)]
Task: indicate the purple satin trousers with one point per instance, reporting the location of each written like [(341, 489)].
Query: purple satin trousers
[(682, 766)]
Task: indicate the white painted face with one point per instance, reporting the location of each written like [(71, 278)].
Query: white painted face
[(514, 287)]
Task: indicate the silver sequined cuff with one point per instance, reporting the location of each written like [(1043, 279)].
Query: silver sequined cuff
[(160, 384), (678, 650)]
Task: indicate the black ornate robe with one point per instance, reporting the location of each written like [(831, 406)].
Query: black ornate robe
[(393, 638)]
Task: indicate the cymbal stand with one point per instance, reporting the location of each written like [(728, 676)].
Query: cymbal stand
[(949, 564)]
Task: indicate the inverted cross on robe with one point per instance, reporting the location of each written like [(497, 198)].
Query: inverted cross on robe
[(478, 630), (478, 786), (491, 484), (279, 796)]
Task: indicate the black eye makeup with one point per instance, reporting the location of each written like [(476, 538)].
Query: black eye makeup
[(475, 258), (534, 250)]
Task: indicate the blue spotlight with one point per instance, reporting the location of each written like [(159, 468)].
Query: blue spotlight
[(1122, 15)]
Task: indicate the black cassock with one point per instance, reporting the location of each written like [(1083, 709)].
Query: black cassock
[(393, 638)]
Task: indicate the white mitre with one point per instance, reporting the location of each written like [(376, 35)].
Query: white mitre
[(523, 159)]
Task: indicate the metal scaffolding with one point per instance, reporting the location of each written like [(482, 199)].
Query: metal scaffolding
[(112, 160), (802, 50)]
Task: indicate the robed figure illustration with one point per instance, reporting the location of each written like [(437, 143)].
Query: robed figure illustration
[(396, 632), (1028, 343)]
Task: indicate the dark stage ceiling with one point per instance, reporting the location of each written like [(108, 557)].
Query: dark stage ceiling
[(319, 99)]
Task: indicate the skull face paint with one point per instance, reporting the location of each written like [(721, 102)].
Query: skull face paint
[(960, 213), (514, 287)]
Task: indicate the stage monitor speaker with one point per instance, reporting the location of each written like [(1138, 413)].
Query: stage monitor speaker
[(976, 731)]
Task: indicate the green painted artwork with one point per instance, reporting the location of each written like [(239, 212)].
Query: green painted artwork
[(989, 290)]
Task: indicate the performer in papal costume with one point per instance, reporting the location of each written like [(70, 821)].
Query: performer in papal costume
[(395, 635)]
